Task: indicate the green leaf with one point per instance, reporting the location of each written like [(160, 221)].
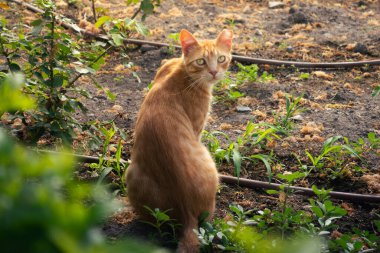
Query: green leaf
[(236, 157), (376, 91), (317, 211), (142, 29), (161, 216), (104, 173), (14, 67), (272, 191), (117, 39), (265, 160), (58, 80), (11, 97), (37, 27), (101, 21), (147, 6)]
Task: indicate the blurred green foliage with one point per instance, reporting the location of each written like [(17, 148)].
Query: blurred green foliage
[(42, 208)]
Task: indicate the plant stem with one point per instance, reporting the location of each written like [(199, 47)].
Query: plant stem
[(52, 51), (70, 83), (94, 10), (136, 12), (6, 55)]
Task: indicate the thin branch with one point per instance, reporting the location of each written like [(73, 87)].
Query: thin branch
[(52, 50), (94, 10), (70, 83), (136, 13)]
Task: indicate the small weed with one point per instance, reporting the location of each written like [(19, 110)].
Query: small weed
[(369, 145), (107, 165), (162, 219), (283, 45), (376, 91), (293, 107), (174, 38), (331, 158), (304, 76), (235, 151)]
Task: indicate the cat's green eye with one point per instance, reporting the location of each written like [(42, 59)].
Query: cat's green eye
[(200, 61), (221, 59)]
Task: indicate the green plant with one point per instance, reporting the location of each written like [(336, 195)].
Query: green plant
[(287, 216), (229, 86), (146, 7), (363, 146), (120, 29), (292, 107), (304, 76), (325, 210), (174, 38), (331, 158), (232, 152), (52, 62), (12, 99), (162, 219), (106, 164), (41, 204), (376, 91)]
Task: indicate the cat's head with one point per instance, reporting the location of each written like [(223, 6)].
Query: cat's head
[(206, 61)]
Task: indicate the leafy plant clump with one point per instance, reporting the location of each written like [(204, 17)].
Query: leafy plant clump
[(53, 61), (42, 209)]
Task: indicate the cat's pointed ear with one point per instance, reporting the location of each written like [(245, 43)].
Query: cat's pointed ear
[(224, 39), (188, 42)]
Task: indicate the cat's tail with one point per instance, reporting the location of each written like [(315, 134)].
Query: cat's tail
[(189, 242)]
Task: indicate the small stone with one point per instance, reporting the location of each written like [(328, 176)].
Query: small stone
[(297, 118), (242, 108), (117, 108), (268, 44), (360, 48), (258, 32), (289, 49), (292, 10), (299, 18), (275, 4)]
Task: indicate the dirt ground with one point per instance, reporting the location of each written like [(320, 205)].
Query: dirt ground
[(336, 102)]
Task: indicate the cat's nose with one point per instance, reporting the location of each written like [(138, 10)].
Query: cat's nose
[(213, 72)]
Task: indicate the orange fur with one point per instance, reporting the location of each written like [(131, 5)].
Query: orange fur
[(171, 168)]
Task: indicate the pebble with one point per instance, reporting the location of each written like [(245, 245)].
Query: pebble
[(242, 108), (298, 18), (297, 118), (289, 49), (275, 4), (258, 32), (360, 48)]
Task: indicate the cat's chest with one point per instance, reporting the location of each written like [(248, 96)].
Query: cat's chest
[(198, 117)]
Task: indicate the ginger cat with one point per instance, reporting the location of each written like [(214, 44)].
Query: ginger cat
[(171, 168)]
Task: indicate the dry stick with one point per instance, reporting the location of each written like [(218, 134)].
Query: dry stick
[(368, 198), (94, 10), (243, 59)]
